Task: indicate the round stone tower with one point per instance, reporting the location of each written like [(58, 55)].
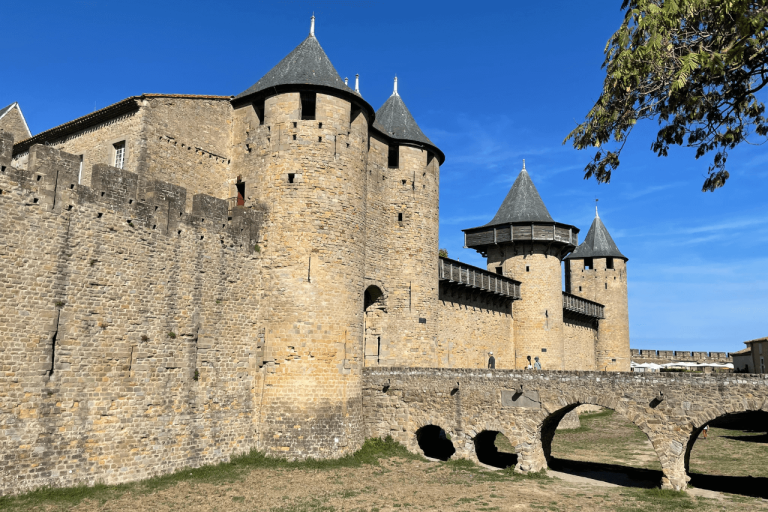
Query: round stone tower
[(597, 271), (523, 242), (410, 166), (300, 152)]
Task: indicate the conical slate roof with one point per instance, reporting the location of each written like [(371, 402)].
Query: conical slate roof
[(307, 64), (522, 204), (597, 244), (394, 119)]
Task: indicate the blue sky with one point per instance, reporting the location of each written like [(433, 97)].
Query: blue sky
[(489, 83)]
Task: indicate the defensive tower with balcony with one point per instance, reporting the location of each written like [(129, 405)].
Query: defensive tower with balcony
[(524, 243)]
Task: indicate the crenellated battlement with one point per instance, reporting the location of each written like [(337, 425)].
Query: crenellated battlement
[(51, 182), (642, 356)]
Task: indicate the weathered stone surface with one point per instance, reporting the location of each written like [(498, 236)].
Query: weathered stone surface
[(463, 402)]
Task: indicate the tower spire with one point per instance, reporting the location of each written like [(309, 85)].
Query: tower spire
[(357, 83), (312, 25), (394, 93)]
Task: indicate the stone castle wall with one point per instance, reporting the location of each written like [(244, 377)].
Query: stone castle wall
[(471, 325), (608, 286), (580, 340), (666, 356), (539, 315), (128, 334)]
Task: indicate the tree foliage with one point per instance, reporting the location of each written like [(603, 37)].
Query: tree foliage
[(695, 66), (443, 253)]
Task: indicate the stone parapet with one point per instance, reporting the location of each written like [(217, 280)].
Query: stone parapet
[(666, 356)]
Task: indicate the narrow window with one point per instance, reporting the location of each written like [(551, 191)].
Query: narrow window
[(119, 154), (579, 288), (319, 125), (606, 286), (393, 160), (609, 263), (294, 136), (400, 217), (527, 268), (258, 107), (499, 270), (290, 177), (589, 264), (308, 102), (240, 192)]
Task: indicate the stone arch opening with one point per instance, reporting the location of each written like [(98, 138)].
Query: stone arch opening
[(731, 456), (374, 309), (606, 446), (435, 443), (494, 449)]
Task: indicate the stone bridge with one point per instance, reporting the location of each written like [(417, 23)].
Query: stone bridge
[(670, 408)]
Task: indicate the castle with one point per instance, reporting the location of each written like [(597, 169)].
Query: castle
[(190, 277)]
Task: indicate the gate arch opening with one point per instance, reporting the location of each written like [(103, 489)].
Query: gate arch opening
[(607, 446), (494, 449), (374, 311), (435, 443), (731, 457)]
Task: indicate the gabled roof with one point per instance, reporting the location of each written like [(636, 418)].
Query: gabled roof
[(522, 204), (7, 109), (307, 64), (597, 244)]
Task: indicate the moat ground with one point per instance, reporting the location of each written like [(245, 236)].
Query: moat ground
[(383, 477)]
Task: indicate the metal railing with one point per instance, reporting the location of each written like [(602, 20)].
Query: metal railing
[(460, 273), (583, 306)]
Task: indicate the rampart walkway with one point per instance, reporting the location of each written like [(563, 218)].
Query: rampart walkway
[(671, 409)]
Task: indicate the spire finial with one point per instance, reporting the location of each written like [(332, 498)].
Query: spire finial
[(312, 25), (357, 84), (346, 81), (394, 93), (596, 215), (523, 163)]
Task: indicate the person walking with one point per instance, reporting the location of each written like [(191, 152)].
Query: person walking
[(491, 361), (705, 431), (537, 364)]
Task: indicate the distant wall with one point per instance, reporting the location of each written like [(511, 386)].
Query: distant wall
[(127, 349), (650, 356), (580, 338), (471, 324)]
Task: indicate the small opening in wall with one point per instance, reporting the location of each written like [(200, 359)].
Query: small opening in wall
[(2, 169), (308, 102), (181, 213), (319, 139), (606, 286), (609, 263), (69, 208), (72, 186), (102, 194), (295, 124), (400, 217), (527, 268), (589, 263), (201, 237), (130, 201), (35, 200), (347, 144), (156, 208), (393, 157), (499, 270), (319, 125), (294, 136), (38, 177), (579, 288), (179, 232), (403, 182), (99, 215), (154, 226), (291, 176)]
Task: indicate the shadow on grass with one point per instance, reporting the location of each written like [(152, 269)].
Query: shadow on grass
[(612, 473), (371, 452), (763, 439), (744, 485)]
